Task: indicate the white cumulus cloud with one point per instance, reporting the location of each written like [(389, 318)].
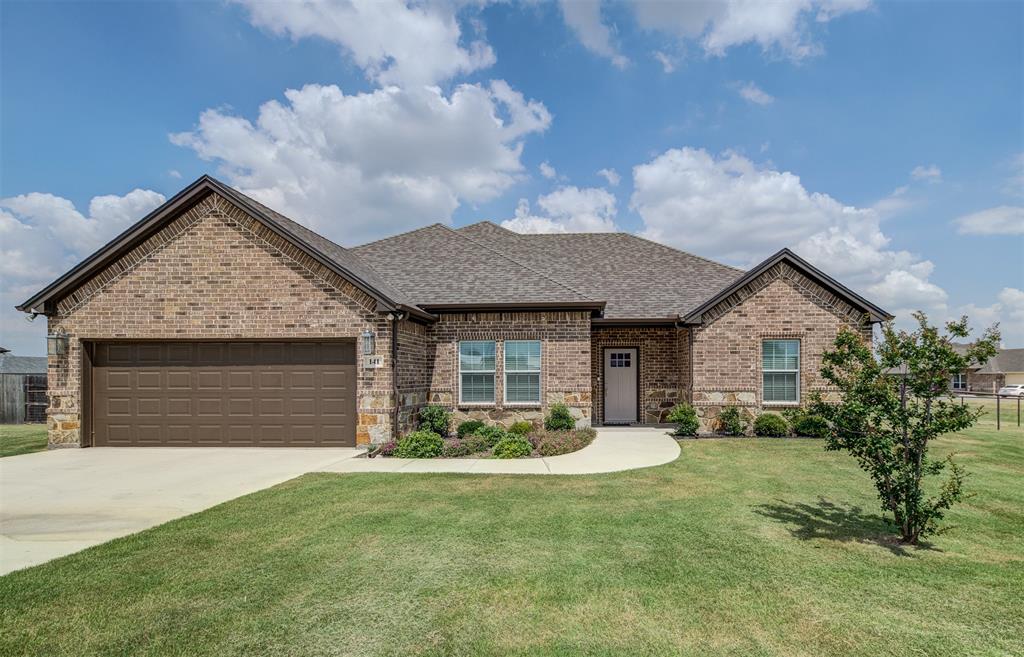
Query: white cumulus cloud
[(567, 210), (753, 93), (393, 41), (584, 17), (548, 171), (730, 208), (1008, 311), (41, 237), (930, 173), (360, 166), (783, 26), (1002, 220), (610, 175)]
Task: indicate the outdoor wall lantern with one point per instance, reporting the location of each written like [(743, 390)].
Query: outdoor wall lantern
[(369, 343), (57, 343)]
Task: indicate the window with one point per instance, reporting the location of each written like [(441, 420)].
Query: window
[(522, 371), (620, 359), (960, 381), (476, 372), (780, 369)]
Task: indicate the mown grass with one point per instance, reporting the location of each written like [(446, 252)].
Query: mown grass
[(22, 439), (740, 547)]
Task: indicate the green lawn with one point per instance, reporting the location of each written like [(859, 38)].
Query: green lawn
[(22, 438), (740, 547)]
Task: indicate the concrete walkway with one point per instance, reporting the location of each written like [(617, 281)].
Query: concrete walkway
[(58, 502), (62, 501), (614, 449)]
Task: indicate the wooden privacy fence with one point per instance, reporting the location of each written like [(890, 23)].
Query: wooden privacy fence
[(22, 398)]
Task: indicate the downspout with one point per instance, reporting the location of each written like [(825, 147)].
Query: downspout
[(395, 318)]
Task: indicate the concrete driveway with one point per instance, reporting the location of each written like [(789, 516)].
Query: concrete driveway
[(58, 502)]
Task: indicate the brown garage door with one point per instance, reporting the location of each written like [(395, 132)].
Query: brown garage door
[(262, 394)]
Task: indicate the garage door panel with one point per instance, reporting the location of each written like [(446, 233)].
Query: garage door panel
[(149, 406), (209, 380), (227, 393)]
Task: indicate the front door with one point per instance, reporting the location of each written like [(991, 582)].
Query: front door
[(620, 368)]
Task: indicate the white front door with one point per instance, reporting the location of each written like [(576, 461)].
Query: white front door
[(620, 368)]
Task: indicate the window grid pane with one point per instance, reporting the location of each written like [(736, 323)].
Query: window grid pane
[(477, 388), (522, 355), (781, 355), (522, 371), (520, 388), (476, 356), (780, 387)]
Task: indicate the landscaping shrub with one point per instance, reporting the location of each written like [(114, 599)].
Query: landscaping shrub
[(469, 427), (685, 418), (521, 428), (454, 447), (435, 419), (492, 435), (731, 421), (553, 443), (512, 446), (770, 425), (559, 419), (387, 449), (475, 444), (419, 445), (806, 424)]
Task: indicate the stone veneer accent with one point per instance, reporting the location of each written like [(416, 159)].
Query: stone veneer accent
[(781, 303), (565, 362), (215, 273), (664, 376)]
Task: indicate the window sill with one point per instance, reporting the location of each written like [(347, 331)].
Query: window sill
[(779, 403)]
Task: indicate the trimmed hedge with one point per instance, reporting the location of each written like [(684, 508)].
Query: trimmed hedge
[(559, 418), (419, 445), (770, 425), (685, 418), (512, 446), (731, 421), (468, 428), (521, 428), (436, 419)]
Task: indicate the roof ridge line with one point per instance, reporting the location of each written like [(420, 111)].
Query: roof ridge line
[(692, 255), (523, 265), (391, 237)]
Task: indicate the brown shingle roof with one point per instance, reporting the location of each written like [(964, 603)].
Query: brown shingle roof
[(638, 278), (438, 266), (1007, 360)]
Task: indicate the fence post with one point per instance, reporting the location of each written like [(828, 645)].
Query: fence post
[(998, 414), (1018, 410)]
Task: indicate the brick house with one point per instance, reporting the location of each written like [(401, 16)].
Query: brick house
[(217, 321)]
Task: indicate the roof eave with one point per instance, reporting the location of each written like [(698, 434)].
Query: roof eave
[(153, 222), (595, 307), (874, 313)]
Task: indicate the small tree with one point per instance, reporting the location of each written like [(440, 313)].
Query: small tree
[(886, 421)]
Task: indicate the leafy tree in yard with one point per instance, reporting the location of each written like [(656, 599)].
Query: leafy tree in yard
[(887, 421)]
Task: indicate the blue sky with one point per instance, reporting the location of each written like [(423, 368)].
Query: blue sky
[(885, 141)]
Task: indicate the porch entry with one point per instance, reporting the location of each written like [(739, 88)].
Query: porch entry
[(620, 385)]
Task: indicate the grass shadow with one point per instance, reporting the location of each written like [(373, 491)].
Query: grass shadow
[(836, 522)]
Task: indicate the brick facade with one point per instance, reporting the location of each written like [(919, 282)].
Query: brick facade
[(664, 374), (565, 361), (781, 303), (214, 273)]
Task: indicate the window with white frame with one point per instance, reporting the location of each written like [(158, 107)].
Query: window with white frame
[(960, 381), (522, 371), (476, 372), (780, 368)]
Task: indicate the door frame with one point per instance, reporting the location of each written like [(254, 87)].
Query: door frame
[(604, 379)]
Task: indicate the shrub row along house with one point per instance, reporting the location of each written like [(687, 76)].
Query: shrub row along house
[(217, 321)]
